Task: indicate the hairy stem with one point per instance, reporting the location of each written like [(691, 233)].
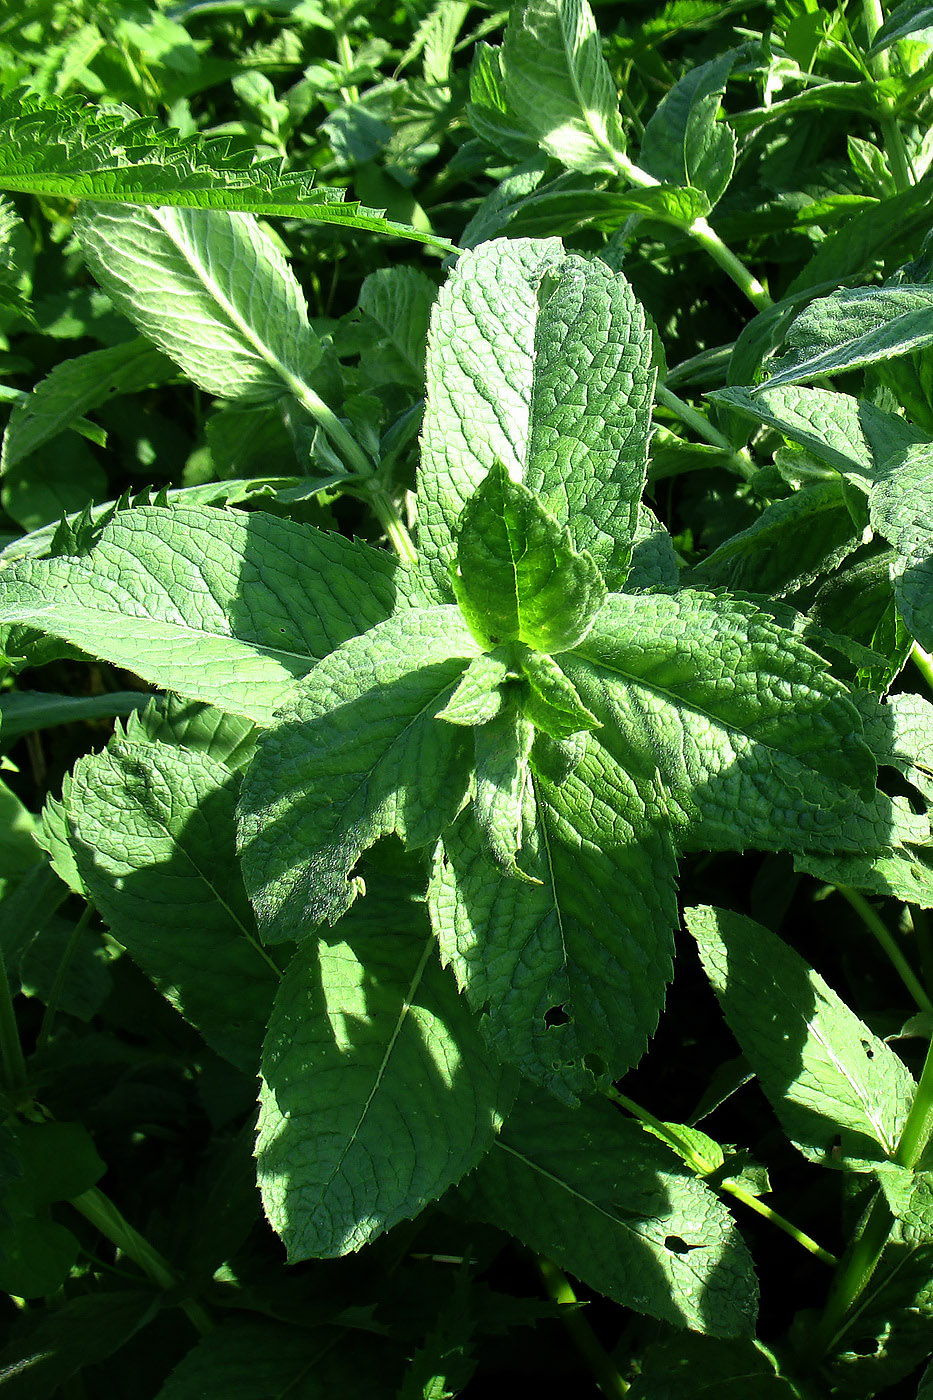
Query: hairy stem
[(898, 159)]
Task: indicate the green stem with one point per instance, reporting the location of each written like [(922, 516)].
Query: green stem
[(904, 177), (386, 511), (697, 1163), (11, 1050), (584, 1338), (882, 933), (923, 662), (703, 428), (916, 1131), (354, 456), (51, 1007), (732, 266), (105, 1217), (350, 93), (701, 230)]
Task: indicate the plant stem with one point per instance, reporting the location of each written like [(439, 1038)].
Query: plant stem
[(51, 1006), (904, 178), (703, 1168), (105, 1217), (919, 1125), (584, 1338), (387, 513), (703, 428), (354, 456), (705, 235), (923, 662), (11, 1050), (877, 926)]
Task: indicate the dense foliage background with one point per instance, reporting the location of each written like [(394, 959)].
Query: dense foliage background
[(137, 1259)]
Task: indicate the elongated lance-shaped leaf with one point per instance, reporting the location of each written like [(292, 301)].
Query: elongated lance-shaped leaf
[(842, 1095), (73, 387), (210, 289), (590, 1190), (855, 327), (558, 85), (63, 148), (683, 143), (359, 753), (377, 1094), (219, 606), (756, 743), (901, 509), (852, 435), (153, 835), (569, 973), (518, 576), (542, 362), (550, 700), (501, 751)]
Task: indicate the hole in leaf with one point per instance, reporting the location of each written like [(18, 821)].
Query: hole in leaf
[(867, 1346), (556, 1016), (595, 1064), (868, 1050), (675, 1245)]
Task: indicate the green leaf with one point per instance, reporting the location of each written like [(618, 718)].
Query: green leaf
[(690, 1367), (502, 749), (588, 1189), (252, 1358), (558, 84), (910, 17), (357, 754), (398, 300), (542, 362), (478, 696), (570, 972), (228, 739), (793, 542), (841, 1094), (377, 1093), (855, 327), (519, 577), (851, 435), (153, 836), (26, 711), (888, 1334), (910, 1196), (900, 509), (63, 148), (550, 700), (218, 606), (683, 143), (489, 112), (755, 743), (76, 386), (212, 290)]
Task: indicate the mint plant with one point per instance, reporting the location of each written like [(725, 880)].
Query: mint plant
[(525, 653)]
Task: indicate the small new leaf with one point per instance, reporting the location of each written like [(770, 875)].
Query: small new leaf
[(519, 577)]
